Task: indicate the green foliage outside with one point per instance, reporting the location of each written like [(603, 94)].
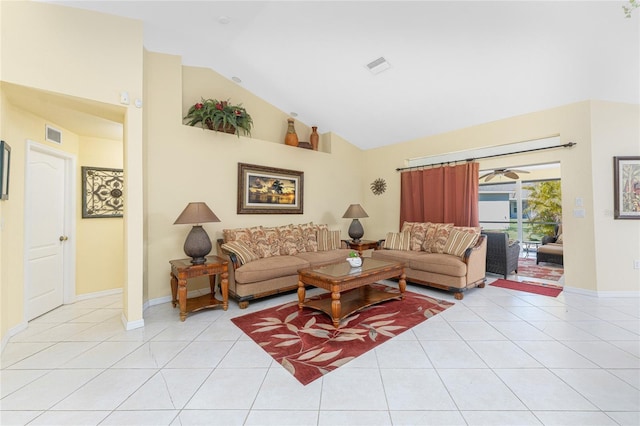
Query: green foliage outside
[(544, 208)]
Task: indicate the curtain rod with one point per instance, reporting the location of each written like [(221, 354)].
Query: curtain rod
[(566, 145)]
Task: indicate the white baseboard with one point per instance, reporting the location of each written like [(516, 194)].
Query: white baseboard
[(103, 293), (12, 332), (601, 294), (131, 325)]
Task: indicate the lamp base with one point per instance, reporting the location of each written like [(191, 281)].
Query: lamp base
[(197, 245), (356, 231)]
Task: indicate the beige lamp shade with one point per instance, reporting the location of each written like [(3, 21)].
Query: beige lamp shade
[(198, 244), (196, 213), (355, 211)]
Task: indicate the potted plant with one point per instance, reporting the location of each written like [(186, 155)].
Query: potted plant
[(354, 259), (220, 116)]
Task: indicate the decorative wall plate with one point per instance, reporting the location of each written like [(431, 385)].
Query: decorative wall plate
[(378, 186)]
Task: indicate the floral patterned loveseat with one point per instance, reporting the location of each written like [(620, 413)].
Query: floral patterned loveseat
[(265, 260), (438, 255)]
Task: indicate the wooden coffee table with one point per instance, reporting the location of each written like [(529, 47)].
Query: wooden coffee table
[(350, 287)]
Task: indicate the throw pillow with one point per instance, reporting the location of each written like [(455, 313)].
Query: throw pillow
[(418, 233), (459, 241), (291, 241), (440, 236), (309, 236), (397, 241), (241, 250), (559, 239), (328, 240), (407, 226)]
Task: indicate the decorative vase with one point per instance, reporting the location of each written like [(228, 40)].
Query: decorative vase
[(314, 137), (355, 262), (291, 138)]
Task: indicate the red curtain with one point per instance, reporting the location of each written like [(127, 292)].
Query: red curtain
[(443, 195)]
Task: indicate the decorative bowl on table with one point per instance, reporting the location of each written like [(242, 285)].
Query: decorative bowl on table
[(354, 261)]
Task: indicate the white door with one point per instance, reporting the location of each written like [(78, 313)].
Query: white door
[(45, 233)]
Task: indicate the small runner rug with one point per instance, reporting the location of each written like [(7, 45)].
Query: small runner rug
[(546, 271), (530, 287), (308, 345)]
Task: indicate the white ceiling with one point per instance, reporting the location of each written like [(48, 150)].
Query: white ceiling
[(454, 64)]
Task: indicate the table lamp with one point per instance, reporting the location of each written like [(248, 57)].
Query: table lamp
[(355, 211), (197, 245)]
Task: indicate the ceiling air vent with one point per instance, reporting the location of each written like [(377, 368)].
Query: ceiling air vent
[(52, 134), (379, 65)]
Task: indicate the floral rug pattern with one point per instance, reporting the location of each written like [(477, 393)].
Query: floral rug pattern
[(545, 271), (308, 345)]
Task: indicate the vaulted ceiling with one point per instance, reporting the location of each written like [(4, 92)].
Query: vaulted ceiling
[(453, 64)]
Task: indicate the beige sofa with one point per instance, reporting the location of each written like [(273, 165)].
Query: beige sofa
[(438, 255), (265, 261)]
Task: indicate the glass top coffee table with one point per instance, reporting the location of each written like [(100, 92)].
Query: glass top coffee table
[(350, 287)]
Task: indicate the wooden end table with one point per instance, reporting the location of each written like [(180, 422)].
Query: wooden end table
[(183, 269), (350, 287), (362, 245)]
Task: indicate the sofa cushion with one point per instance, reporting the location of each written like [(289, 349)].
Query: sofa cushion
[(328, 240), (269, 267), (396, 255), (437, 263), (397, 241), (241, 250), (324, 257), (559, 239), (459, 241)]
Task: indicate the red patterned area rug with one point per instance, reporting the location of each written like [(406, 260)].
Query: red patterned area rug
[(545, 271), (308, 345), (530, 287)]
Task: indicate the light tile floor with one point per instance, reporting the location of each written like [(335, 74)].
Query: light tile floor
[(498, 357)]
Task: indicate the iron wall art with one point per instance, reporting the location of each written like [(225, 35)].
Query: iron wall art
[(102, 192)]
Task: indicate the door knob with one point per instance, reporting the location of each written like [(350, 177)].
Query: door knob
[(63, 238)]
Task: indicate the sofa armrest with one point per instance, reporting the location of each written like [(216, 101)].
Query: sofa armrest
[(548, 239), (231, 257), (476, 259)]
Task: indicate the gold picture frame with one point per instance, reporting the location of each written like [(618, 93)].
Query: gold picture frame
[(269, 190)]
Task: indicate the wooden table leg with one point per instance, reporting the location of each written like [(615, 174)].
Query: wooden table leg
[(402, 284), (224, 289), (174, 290), (335, 306), (301, 294), (182, 298)]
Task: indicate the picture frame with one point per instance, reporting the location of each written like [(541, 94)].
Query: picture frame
[(5, 167), (269, 190), (102, 192), (626, 187)]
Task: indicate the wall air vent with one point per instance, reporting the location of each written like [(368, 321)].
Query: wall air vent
[(52, 134), (379, 65)]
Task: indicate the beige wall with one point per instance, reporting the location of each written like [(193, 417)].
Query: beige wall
[(100, 241), (191, 164), (615, 131), (583, 174), (91, 56)]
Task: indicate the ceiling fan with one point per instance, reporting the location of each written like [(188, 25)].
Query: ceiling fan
[(510, 173)]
